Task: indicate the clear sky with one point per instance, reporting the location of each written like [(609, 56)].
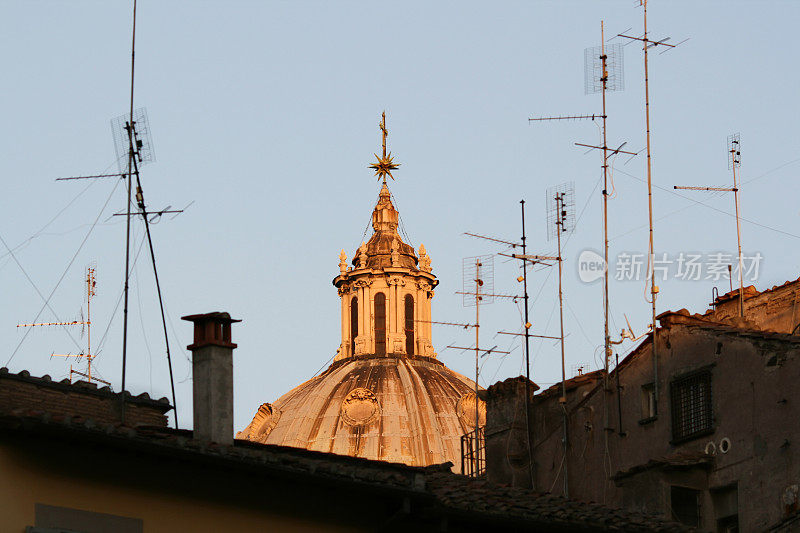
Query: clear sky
[(265, 115)]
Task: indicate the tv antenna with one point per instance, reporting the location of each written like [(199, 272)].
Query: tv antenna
[(603, 72), (560, 220), (527, 334), (132, 141), (647, 43), (91, 285), (734, 162), (478, 285)]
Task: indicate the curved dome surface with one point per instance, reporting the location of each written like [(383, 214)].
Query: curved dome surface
[(408, 409)]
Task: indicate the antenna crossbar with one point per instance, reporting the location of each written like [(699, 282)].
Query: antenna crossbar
[(148, 213), (514, 244), (486, 351), (465, 326), (533, 258), (73, 323), (569, 117), (649, 42), (611, 152), (725, 189), (92, 377), (488, 295), (529, 335), (118, 175)]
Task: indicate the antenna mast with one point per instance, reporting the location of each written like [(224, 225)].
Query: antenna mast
[(561, 219), (647, 44), (478, 270), (128, 227), (603, 71), (91, 285), (734, 162), (139, 151)]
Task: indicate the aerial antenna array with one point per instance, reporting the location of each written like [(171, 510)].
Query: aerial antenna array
[(134, 148), (91, 291), (603, 72), (561, 220), (603, 68), (734, 162), (560, 202), (143, 146)]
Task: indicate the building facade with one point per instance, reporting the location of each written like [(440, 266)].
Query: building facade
[(706, 434)]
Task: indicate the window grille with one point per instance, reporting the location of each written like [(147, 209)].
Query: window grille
[(691, 405), (473, 453)]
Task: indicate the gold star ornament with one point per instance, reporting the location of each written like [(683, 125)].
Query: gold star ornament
[(384, 166)]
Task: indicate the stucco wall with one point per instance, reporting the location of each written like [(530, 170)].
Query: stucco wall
[(169, 495)]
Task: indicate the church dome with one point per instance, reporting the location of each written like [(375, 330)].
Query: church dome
[(385, 396), (408, 409)]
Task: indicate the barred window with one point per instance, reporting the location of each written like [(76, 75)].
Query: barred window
[(691, 405)]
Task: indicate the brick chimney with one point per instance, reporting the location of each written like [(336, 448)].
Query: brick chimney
[(212, 371)]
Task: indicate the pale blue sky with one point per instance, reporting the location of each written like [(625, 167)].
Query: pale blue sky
[(265, 115)]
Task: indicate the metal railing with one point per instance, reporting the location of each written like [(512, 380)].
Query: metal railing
[(473, 453)]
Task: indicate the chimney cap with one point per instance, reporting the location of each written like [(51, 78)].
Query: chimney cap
[(211, 329), (215, 316)]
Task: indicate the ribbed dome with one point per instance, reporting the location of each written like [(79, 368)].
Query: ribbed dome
[(409, 409)]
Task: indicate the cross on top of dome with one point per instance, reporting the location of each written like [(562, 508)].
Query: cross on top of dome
[(384, 165)]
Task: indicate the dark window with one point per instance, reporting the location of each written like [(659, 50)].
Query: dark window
[(353, 324), (726, 508), (691, 405), (380, 324), (685, 505), (648, 402), (409, 324)]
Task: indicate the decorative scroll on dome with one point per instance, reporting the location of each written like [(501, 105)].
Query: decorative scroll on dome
[(465, 409), (360, 407), (265, 420)]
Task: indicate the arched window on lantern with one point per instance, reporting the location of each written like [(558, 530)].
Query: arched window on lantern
[(380, 324), (409, 301), (353, 324)]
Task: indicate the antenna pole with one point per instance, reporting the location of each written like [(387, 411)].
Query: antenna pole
[(653, 288), (734, 162), (478, 283), (606, 339), (527, 353), (563, 399), (128, 225), (89, 294)]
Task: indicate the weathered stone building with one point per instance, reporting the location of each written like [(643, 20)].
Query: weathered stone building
[(713, 445), (386, 395)]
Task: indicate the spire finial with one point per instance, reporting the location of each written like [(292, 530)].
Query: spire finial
[(385, 165)]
